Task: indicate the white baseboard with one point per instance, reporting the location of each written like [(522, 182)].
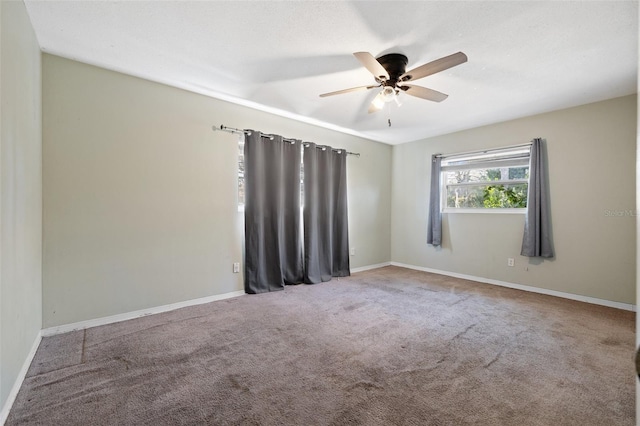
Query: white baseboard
[(578, 297), (59, 329), (368, 267), (18, 383)]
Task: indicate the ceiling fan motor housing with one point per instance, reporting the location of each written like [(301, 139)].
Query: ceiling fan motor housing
[(395, 64)]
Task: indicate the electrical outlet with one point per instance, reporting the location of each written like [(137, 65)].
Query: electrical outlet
[(511, 262), (353, 251), (236, 267)]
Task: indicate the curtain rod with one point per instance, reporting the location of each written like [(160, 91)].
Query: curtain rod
[(232, 130), (248, 133), (482, 151)]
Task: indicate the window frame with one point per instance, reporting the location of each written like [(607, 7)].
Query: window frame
[(483, 160)]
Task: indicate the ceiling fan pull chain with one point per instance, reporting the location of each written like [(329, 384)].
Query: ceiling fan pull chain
[(389, 121)]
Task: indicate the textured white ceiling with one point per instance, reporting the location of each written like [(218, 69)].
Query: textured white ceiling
[(525, 57)]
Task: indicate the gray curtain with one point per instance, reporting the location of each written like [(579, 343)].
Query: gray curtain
[(326, 237), (537, 241), (434, 225), (273, 245)]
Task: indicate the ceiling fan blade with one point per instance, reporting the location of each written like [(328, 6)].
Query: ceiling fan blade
[(377, 104), (434, 66), (372, 65), (353, 89), (423, 93)]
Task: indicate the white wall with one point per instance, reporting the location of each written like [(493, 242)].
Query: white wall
[(21, 194), (140, 206), (591, 152)]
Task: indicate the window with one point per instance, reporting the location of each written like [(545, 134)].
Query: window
[(241, 173), (486, 181)]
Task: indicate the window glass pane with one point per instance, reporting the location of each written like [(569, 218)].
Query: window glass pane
[(505, 196), (241, 190), (462, 197), (241, 172), (518, 173), (487, 196), (472, 175), (464, 176), (485, 175), (302, 181)]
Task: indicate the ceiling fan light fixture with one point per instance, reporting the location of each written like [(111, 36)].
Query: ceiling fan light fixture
[(388, 93), (378, 101)]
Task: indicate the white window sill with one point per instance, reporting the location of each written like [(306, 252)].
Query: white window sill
[(486, 211)]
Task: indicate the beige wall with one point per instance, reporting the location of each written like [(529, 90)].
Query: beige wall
[(140, 202), (21, 193), (140, 207), (591, 152)]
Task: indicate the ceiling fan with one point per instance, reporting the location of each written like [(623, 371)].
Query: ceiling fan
[(389, 73)]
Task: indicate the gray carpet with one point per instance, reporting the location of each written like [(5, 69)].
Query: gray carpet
[(390, 346)]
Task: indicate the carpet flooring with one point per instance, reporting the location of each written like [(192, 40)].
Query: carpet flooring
[(390, 346)]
